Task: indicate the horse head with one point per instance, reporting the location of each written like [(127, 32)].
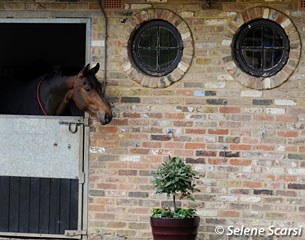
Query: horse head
[(87, 95)]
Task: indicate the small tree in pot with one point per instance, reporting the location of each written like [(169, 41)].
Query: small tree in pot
[(173, 223)]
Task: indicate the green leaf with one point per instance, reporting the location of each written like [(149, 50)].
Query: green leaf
[(175, 177), (178, 213)]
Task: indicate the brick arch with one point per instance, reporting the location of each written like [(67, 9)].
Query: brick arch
[(294, 54), (183, 66)]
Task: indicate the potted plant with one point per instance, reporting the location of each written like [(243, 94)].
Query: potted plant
[(175, 179)]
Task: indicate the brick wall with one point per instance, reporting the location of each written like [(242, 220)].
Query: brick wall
[(247, 145)]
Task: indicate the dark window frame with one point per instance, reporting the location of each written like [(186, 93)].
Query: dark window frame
[(239, 46), (137, 58)]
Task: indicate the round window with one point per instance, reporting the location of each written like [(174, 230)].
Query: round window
[(156, 47), (261, 48)]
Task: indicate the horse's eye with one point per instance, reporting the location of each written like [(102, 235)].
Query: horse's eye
[(87, 88)]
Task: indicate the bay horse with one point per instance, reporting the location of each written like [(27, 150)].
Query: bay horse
[(54, 94)]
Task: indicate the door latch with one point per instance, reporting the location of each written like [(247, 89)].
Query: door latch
[(73, 125)]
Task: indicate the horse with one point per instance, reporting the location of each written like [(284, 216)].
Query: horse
[(56, 94)]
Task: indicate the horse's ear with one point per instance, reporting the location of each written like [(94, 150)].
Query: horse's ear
[(94, 70), (84, 70)]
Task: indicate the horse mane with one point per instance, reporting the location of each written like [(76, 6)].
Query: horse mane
[(92, 79)]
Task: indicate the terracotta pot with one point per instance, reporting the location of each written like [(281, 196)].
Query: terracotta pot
[(174, 229)]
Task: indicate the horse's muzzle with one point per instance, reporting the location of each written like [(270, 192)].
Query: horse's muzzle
[(104, 118)]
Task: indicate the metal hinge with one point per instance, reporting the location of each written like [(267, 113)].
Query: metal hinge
[(73, 233), (81, 178)]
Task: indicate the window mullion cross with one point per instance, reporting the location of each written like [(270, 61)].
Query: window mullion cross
[(263, 49), (272, 48), (266, 58), (148, 53), (158, 49)]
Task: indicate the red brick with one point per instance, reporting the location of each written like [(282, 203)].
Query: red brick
[(270, 177), (291, 149), (229, 214), (217, 161), (155, 115), (117, 165), (218, 131), (286, 118), (174, 115), (287, 133), (124, 172), (138, 165), (105, 216), (151, 144), (96, 208), (183, 123), (153, 159), (119, 122), (160, 138), (265, 118), (139, 122), (240, 147), (139, 151), (138, 181), (173, 145), (125, 187), (138, 136), (131, 115), (139, 210), (162, 152), (184, 92), (251, 184), (229, 109), (181, 152), (195, 146), (239, 162), (106, 186), (264, 147), (195, 131), (108, 129)]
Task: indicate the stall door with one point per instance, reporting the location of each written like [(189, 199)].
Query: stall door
[(41, 175)]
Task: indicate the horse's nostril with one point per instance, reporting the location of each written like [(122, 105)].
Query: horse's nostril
[(104, 118), (107, 118)]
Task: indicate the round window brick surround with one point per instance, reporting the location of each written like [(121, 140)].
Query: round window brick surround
[(283, 75), (187, 56)]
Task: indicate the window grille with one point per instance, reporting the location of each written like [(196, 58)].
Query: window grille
[(261, 48), (156, 48), (113, 4), (302, 5)]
